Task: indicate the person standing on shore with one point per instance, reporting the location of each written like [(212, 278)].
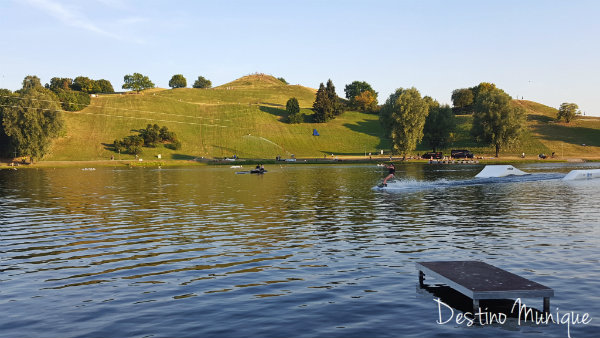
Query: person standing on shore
[(391, 171)]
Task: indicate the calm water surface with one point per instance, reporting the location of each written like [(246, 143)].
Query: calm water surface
[(301, 251)]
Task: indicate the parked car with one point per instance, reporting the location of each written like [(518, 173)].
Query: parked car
[(432, 155), (461, 154)]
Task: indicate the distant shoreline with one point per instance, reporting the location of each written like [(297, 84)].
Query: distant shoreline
[(5, 164)]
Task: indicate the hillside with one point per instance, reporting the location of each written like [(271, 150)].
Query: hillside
[(246, 117)]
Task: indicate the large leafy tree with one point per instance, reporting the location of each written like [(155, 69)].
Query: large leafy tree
[(439, 125), (202, 82), (567, 112), (137, 82), (178, 81), (31, 81), (495, 121), (104, 86), (59, 83), (32, 121), (7, 100), (462, 98), (361, 96), (85, 84), (403, 116)]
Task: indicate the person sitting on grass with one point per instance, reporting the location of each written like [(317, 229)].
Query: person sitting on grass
[(392, 171)]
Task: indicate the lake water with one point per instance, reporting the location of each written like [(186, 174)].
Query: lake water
[(302, 251)]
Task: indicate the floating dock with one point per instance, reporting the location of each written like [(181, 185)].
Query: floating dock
[(478, 280)]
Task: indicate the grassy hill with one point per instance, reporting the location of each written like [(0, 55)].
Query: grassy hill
[(246, 117)]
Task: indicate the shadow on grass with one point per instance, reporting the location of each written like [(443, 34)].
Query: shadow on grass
[(371, 128), (539, 118), (182, 157), (109, 146), (272, 104), (567, 134), (282, 115)]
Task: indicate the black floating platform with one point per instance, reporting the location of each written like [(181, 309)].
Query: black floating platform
[(479, 280)]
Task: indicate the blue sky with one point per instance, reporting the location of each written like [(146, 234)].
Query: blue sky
[(545, 51)]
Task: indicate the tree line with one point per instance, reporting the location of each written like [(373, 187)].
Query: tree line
[(408, 118)]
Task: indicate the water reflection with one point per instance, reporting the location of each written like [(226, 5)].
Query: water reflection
[(302, 250)]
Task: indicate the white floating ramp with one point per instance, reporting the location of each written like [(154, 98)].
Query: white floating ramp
[(582, 174), (496, 170)]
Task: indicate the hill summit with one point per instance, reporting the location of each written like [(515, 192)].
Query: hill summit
[(257, 80)]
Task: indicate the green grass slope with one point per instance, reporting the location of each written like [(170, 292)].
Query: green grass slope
[(246, 118)]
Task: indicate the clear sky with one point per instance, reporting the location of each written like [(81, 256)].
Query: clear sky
[(545, 51)]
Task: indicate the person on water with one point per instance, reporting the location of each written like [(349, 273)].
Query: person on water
[(392, 170)]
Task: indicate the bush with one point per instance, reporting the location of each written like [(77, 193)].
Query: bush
[(148, 137)]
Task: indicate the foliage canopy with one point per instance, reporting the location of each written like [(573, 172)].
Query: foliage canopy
[(495, 121), (403, 116), (178, 81), (567, 112), (137, 82)]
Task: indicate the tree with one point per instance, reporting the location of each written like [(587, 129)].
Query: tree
[(336, 105), (282, 80), (462, 98), (59, 83), (151, 135), (482, 87), (439, 125), (359, 100), (322, 106), (31, 81), (178, 81), (293, 109), (403, 116), (495, 121), (201, 82), (104, 86), (365, 102), (33, 121), (85, 84), (137, 82), (72, 100), (7, 99), (567, 112)]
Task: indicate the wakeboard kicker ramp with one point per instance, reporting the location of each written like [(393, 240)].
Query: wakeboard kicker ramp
[(582, 174), (499, 170)]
